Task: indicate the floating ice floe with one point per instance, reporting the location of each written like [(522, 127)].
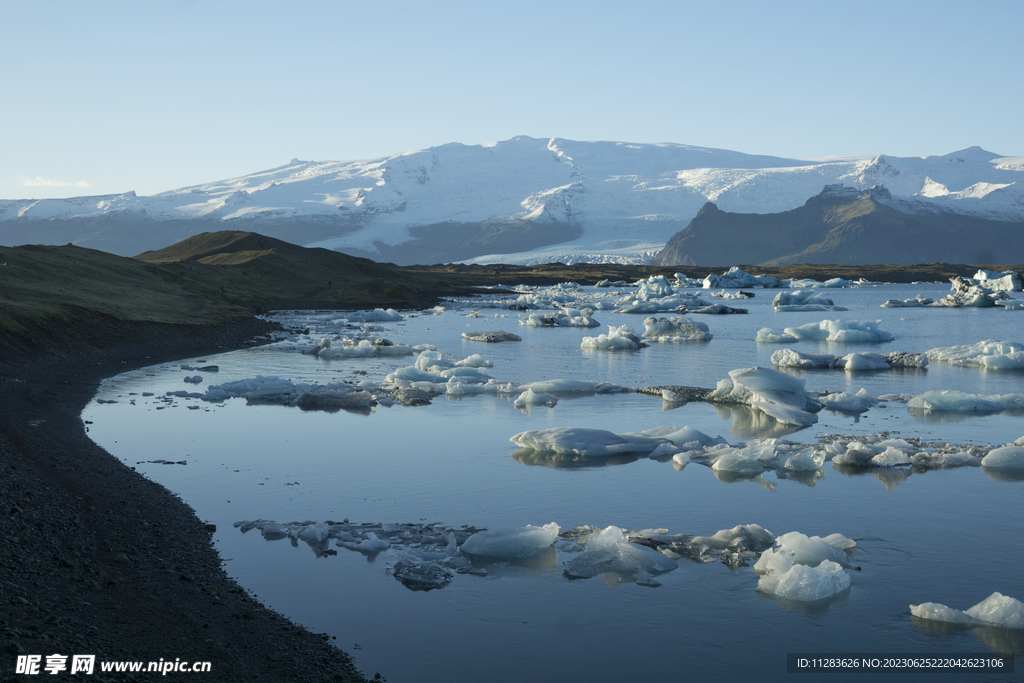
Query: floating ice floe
[(962, 402), (588, 442), (917, 302), (722, 294), (1006, 457), (512, 543), (834, 331), (833, 283), (805, 569), (675, 330), (988, 354), (569, 317), (859, 402), (852, 362), (779, 395), (995, 610), (491, 336), (433, 367), (768, 336), (620, 338), (610, 552), (736, 278), (804, 300), (532, 398), (376, 315), (365, 348), (194, 379), (716, 309)]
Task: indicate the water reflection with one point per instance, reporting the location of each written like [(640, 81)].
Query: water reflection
[(1003, 474), (751, 423), (1004, 641), (891, 477), (529, 456)]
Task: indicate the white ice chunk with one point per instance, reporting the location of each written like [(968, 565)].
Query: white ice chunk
[(962, 402), (513, 543), (585, 441), (618, 338), (675, 329), (841, 331), (1006, 457), (532, 398), (801, 583), (1001, 610)]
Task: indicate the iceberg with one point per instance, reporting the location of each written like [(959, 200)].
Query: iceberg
[(609, 551), (1005, 457), (841, 331), (513, 543), (675, 329), (618, 338), (804, 300), (962, 402), (376, 315), (995, 610), (988, 354), (801, 583), (491, 336), (531, 398), (567, 318), (774, 393), (736, 278), (586, 441)]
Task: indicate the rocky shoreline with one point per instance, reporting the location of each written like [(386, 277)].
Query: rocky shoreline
[(97, 559)]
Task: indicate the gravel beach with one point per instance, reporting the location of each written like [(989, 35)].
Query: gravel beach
[(97, 560)]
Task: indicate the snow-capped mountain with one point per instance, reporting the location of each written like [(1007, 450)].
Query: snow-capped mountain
[(522, 200)]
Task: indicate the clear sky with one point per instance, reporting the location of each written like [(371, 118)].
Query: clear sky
[(103, 97)]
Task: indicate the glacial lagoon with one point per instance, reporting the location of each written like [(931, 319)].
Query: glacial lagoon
[(949, 535)]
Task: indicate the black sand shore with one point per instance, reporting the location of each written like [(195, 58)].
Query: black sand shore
[(96, 559)]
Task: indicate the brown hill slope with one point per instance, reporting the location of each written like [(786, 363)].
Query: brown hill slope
[(842, 226)]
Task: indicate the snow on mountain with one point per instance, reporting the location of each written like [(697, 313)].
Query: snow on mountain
[(625, 199)]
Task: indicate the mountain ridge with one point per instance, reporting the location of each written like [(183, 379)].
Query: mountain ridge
[(519, 200), (842, 227)]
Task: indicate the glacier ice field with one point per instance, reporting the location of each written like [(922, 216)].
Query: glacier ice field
[(476, 492)]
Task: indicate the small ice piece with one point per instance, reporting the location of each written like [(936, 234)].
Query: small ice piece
[(767, 335), (788, 358), (962, 402), (512, 543), (991, 354), (585, 441), (801, 583), (777, 394), (745, 536), (998, 609), (736, 278), (1005, 457), (841, 331), (314, 533), (531, 398), (491, 336), (676, 329), (937, 612), (995, 610), (618, 338), (749, 460), (863, 361), (805, 460), (194, 379), (891, 457), (809, 550), (610, 551)]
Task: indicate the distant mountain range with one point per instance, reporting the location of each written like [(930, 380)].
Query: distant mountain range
[(523, 200), (845, 226)]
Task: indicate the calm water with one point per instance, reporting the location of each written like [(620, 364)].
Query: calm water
[(948, 536)]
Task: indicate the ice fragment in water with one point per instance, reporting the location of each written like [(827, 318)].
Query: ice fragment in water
[(1006, 457), (995, 610), (513, 543)]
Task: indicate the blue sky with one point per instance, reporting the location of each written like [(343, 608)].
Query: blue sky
[(106, 97)]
